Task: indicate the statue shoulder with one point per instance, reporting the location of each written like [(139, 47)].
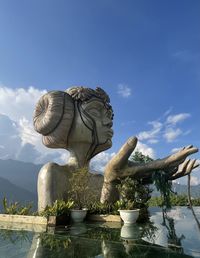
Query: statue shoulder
[(50, 166), (54, 168)]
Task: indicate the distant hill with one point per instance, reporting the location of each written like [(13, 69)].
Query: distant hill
[(181, 189), (20, 173), (14, 193)]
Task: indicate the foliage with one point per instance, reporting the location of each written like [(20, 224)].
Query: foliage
[(15, 208), (159, 178), (58, 208), (149, 230), (103, 233), (54, 243), (138, 157), (104, 208), (164, 186), (175, 200), (14, 236), (100, 208), (143, 215), (127, 190), (133, 194), (79, 190)]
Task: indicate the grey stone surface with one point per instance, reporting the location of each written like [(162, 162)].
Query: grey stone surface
[(80, 121)]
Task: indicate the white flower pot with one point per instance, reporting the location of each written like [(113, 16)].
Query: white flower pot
[(129, 216), (78, 215)]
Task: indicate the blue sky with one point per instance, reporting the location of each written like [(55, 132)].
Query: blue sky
[(145, 54)]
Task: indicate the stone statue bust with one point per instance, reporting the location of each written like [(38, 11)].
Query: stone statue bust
[(80, 120)]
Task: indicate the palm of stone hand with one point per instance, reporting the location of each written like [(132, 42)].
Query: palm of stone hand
[(175, 165)]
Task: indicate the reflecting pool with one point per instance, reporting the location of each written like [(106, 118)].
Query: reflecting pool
[(175, 234)]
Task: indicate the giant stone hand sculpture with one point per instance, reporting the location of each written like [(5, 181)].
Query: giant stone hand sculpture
[(80, 121)]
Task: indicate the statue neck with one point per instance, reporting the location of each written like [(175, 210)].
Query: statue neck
[(78, 156)]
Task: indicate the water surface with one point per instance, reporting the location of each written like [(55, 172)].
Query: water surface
[(175, 234)]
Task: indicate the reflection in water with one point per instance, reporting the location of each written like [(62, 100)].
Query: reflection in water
[(174, 242), (14, 236), (190, 202), (104, 240), (130, 231), (78, 229)]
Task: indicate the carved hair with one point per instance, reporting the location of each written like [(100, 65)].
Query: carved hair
[(53, 118), (54, 113), (84, 94)]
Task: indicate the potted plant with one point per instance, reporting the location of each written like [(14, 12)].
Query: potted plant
[(79, 194), (128, 205), (58, 213)]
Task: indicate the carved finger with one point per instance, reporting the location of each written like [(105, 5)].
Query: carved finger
[(181, 170), (124, 153), (190, 166), (196, 165), (190, 150), (183, 166), (177, 175), (181, 155)]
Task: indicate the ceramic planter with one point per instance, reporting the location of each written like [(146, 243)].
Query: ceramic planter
[(78, 215), (129, 216)]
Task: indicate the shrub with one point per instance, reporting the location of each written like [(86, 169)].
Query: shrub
[(58, 208), (15, 208), (82, 191), (175, 200)]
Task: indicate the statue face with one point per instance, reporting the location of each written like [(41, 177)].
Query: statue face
[(99, 118), (91, 132)]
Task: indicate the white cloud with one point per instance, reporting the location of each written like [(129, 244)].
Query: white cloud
[(146, 150), (174, 119), (27, 153), (27, 132), (124, 90), (9, 138), (17, 135), (167, 112), (18, 103), (175, 150), (194, 180), (166, 129), (151, 134), (171, 134), (99, 162), (153, 141)]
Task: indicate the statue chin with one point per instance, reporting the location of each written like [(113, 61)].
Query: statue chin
[(109, 143), (102, 147)]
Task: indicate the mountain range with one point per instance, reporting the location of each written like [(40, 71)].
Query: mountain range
[(18, 181)]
